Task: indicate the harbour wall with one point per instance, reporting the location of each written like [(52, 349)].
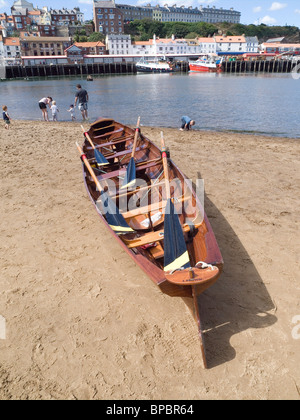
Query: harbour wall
[(82, 70)]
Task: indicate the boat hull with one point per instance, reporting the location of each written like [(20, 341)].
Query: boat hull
[(145, 246), (147, 69), (202, 68)]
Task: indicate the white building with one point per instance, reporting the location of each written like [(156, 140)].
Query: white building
[(45, 16), (143, 47), (21, 7), (231, 44), (11, 50), (207, 45), (252, 44), (119, 44), (164, 46)]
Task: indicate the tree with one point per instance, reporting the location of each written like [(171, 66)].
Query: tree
[(96, 36), (191, 35)]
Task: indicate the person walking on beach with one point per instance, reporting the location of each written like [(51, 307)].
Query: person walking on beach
[(54, 111), (82, 97), (186, 123), (6, 117), (43, 103), (72, 112)]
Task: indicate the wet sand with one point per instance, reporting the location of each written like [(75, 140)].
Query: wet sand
[(84, 322)]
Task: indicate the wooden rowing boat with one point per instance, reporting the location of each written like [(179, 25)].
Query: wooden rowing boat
[(158, 218)]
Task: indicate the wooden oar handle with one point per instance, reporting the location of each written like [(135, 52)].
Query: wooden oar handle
[(88, 137), (89, 168), (136, 136), (165, 164)]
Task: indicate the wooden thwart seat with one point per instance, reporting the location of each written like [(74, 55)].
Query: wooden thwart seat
[(139, 167), (157, 251), (148, 238), (119, 130), (111, 143), (103, 128), (152, 207)]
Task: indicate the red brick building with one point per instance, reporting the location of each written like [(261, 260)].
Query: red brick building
[(108, 19)]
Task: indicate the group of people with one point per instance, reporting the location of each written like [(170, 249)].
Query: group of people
[(81, 97)]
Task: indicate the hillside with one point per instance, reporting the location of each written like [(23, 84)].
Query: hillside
[(145, 29)]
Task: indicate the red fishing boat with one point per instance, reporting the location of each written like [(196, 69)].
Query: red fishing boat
[(206, 64)]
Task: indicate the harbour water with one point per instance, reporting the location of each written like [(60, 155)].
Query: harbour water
[(250, 103)]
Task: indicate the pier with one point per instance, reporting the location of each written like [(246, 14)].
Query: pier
[(98, 69), (63, 70), (260, 66)]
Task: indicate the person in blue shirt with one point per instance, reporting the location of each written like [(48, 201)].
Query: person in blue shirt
[(186, 123), (6, 117)]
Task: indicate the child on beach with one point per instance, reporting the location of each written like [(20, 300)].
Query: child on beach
[(54, 111), (186, 123), (6, 117), (72, 111)]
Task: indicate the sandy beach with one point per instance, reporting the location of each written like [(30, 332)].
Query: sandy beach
[(78, 318)]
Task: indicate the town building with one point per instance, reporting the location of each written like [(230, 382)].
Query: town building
[(252, 44), (131, 13), (118, 44), (65, 17), (108, 19), (174, 13), (214, 15), (91, 48), (11, 50), (280, 48), (44, 46), (230, 44), (207, 45)]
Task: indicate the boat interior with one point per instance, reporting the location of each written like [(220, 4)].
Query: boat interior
[(143, 205)]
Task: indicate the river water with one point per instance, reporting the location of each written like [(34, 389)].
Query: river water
[(250, 103)]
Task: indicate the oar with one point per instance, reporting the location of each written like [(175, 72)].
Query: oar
[(112, 213), (101, 160), (175, 252), (130, 176)]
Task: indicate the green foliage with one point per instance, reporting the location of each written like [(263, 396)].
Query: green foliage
[(145, 29), (96, 36), (191, 35)]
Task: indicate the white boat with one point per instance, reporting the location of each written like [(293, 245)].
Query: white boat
[(206, 64), (155, 65)]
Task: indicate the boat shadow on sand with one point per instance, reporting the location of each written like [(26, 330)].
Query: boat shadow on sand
[(238, 301)]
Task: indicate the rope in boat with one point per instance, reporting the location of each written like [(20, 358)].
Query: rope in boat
[(204, 265)]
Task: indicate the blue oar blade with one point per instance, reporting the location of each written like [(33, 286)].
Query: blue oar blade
[(176, 254), (101, 160), (130, 176), (112, 214)]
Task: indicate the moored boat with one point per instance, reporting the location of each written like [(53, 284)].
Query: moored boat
[(151, 209), (155, 65), (206, 64)]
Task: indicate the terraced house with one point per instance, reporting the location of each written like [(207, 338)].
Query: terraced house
[(174, 13)]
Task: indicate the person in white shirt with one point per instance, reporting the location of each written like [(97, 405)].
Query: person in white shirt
[(72, 112), (54, 111), (43, 106)]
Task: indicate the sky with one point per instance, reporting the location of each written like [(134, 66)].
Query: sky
[(286, 12)]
